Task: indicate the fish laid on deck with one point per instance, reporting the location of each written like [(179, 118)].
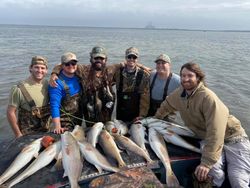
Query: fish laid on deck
[(71, 158), (93, 133), (93, 156), (43, 159), (109, 147), (23, 158), (158, 145)]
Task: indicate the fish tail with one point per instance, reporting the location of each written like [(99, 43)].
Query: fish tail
[(172, 181)]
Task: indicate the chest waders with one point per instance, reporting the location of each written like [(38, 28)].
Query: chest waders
[(36, 120), (155, 104), (71, 109), (128, 103), (100, 100)]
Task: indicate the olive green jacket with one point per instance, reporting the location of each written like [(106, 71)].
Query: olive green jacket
[(206, 115)]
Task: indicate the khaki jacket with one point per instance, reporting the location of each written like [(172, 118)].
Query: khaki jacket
[(206, 115)]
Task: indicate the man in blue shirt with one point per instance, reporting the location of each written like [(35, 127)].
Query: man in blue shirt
[(65, 99)]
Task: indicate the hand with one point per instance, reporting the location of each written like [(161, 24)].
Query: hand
[(201, 172), (52, 80), (59, 130), (18, 135)]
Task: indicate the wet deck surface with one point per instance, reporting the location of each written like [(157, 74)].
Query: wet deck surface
[(46, 178)]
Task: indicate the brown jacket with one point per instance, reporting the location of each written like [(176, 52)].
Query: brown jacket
[(207, 116)]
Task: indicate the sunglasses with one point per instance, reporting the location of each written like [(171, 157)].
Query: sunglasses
[(99, 58), (131, 57), (160, 62), (73, 63)]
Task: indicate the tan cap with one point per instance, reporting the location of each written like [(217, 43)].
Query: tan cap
[(132, 51), (98, 51), (67, 57), (39, 60), (163, 57)]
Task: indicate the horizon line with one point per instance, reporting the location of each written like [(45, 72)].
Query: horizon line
[(143, 28)]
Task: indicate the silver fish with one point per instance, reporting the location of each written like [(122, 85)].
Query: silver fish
[(71, 159), (125, 143), (157, 123), (158, 145), (44, 158), (93, 156), (175, 139), (78, 133), (109, 126), (109, 147), (137, 133), (122, 128), (93, 133), (23, 158)]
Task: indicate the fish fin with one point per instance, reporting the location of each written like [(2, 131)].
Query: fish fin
[(98, 168), (58, 166), (65, 174)]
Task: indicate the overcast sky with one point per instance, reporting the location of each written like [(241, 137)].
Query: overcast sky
[(185, 14)]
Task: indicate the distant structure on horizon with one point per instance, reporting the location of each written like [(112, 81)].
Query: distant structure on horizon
[(149, 26)]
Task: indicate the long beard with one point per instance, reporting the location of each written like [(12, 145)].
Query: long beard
[(98, 66)]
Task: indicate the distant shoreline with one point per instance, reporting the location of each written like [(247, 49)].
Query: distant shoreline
[(143, 28)]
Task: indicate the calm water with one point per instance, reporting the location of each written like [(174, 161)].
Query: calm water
[(224, 56)]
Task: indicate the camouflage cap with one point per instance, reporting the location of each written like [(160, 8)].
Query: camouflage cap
[(39, 60), (132, 51), (163, 57), (98, 51), (67, 57)]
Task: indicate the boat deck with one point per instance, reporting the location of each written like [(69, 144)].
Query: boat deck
[(183, 163)]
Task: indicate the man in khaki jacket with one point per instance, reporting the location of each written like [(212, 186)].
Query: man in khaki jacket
[(221, 133)]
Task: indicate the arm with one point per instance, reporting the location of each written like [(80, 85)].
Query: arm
[(55, 102), (166, 106), (145, 97), (216, 116), (12, 118)]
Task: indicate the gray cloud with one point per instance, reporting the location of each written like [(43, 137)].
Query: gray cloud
[(192, 14)]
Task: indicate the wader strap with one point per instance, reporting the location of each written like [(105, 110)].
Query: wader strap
[(138, 80), (121, 80), (26, 95), (65, 87), (165, 88)]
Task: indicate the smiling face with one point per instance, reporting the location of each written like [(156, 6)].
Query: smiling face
[(131, 61), (69, 68), (162, 67), (38, 72), (189, 80)]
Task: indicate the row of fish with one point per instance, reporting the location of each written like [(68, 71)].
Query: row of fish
[(109, 136)]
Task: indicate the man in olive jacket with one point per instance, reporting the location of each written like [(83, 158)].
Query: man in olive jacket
[(221, 133)]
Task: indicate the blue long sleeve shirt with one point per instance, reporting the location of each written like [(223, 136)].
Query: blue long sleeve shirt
[(57, 94)]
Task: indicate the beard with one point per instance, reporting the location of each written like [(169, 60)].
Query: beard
[(98, 66)]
